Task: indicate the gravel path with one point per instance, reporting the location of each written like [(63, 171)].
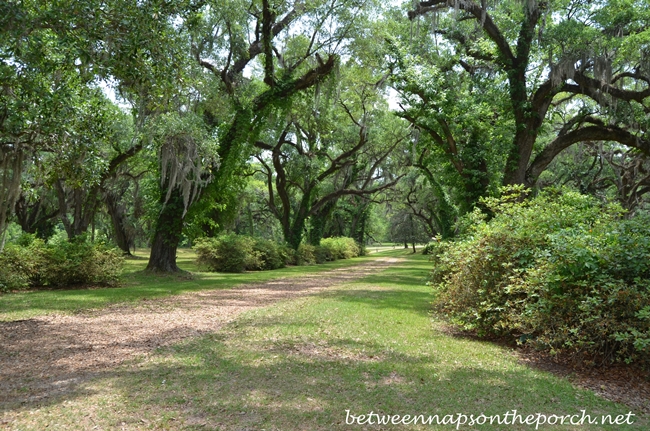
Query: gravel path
[(50, 355)]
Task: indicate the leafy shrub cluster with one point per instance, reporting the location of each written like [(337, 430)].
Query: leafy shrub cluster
[(338, 248), (431, 247), (306, 255), (237, 253), (560, 272), (329, 249), (33, 263)]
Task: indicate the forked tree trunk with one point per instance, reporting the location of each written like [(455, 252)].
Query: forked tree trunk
[(167, 236), (120, 223)]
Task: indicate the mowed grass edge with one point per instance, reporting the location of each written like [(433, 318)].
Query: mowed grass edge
[(310, 363), (137, 285)]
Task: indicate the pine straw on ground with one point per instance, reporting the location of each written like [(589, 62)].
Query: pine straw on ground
[(51, 355), (619, 383), (623, 384)]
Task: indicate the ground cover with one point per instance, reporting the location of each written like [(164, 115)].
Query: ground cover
[(304, 360), (137, 285)]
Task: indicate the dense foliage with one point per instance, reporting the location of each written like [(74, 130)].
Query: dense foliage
[(237, 253), (329, 124), (560, 271), (34, 263)]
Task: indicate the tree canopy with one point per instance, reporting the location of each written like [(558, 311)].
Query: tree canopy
[(155, 123)]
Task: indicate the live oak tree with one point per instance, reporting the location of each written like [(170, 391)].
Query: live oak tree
[(605, 170), (54, 55), (423, 197), (585, 63), (322, 153), (98, 140), (186, 160), (257, 57), (37, 85)]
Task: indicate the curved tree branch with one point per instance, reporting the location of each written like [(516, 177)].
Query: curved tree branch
[(589, 133)]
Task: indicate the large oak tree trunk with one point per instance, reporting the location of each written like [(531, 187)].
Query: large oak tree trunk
[(519, 157), (120, 228), (167, 236)]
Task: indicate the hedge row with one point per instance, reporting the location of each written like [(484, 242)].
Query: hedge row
[(33, 263), (237, 253), (559, 272)]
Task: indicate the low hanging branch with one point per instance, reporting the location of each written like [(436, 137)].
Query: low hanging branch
[(595, 132)]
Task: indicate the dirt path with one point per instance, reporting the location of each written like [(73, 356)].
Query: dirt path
[(50, 355)]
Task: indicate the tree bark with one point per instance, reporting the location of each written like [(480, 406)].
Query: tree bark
[(167, 234), (120, 229)]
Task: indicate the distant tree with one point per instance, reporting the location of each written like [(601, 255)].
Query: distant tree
[(322, 155)]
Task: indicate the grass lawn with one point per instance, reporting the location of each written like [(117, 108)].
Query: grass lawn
[(368, 346), (137, 285)]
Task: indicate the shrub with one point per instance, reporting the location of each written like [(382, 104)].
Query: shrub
[(323, 254), (226, 253), (288, 254), (432, 248), (339, 248), (266, 255), (237, 253), (591, 288), (559, 271), (59, 264), (306, 254), (16, 268)]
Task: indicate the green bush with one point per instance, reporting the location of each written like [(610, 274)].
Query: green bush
[(288, 254), (323, 254), (306, 254), (226, 253), (78, 262), (591, 288), (339, 248), (237, 253), (267, 255), (17, 269), (559, 271), (431, 248), (34, 263)]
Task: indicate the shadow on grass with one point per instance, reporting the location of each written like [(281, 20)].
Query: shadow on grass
[(309, 384), (396, 299), (142, 285), (291, 370), (222, 383)]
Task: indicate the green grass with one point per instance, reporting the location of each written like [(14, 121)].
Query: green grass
[(367, 346), (137, 285)]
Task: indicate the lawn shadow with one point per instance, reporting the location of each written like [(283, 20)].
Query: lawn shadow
[(279, 372), (396, 299), (224, 384)]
